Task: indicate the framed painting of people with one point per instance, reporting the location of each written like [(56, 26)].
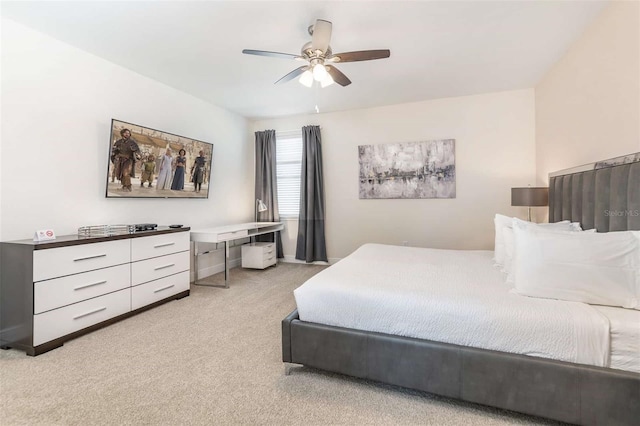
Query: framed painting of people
[(424, 169), (150, 163)]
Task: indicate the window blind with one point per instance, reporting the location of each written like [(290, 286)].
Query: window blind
[(288, 170)]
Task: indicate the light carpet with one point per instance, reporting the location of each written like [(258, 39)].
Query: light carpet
[(211, 358)]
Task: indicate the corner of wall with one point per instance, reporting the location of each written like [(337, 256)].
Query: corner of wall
[(587, 106)]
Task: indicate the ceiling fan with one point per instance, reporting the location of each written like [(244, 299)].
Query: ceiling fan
[(319, 57)]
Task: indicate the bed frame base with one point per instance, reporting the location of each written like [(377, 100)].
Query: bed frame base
[(556, 390), (287, 368)]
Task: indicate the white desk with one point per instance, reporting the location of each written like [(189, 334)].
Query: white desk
[(224, 234)]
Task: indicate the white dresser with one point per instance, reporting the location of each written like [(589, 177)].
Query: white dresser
[(258, 255), (54, 291)]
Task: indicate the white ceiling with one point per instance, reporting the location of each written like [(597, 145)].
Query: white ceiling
[(438, 49)]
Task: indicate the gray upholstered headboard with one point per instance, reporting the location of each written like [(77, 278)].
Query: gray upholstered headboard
[(603, 195)]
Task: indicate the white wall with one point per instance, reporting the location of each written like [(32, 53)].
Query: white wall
[(495, 150), (57, 105), (0, 141), (588, 104)]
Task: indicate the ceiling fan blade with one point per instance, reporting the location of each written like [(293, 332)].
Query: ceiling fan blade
[(361, 55), (273, 54), (321, 35), (337, 76), (293, 74)]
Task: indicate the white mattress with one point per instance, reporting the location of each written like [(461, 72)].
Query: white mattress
[(458, 297)]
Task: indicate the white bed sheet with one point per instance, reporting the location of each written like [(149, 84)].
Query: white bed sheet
[(454, 297), (625, 337)]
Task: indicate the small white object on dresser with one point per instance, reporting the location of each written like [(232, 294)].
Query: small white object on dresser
[(55, 291), (258, 255)]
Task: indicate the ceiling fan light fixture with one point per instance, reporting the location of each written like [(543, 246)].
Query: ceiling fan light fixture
[(326, 81), (319, 72), (319, 58), (306, 79)]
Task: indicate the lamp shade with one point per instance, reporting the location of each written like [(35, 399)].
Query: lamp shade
[(260, 207), (326, 81), (319, 72), (530, 196), (306, 79)]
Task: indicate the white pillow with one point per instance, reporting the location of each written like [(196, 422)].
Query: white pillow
[(509, 252), (565, 225), (509, 239), (510, 242), (502, 222), (595, 268)]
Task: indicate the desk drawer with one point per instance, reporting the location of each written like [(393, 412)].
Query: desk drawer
[(269, 251), (233, 235), (158, 267), (259, 263), (158, 245), (60, 322), (61, 261), (258, 255), (148, 293), (55, 293)]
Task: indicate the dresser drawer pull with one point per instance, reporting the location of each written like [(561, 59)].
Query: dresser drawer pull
[(270, 251), (164, 288), (163, 245), (89, 257), (80, 287), (90, 313), (164, 266)]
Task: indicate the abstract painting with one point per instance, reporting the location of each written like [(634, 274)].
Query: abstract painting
[(408, 170)]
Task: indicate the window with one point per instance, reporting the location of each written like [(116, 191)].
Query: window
[(288, 169)]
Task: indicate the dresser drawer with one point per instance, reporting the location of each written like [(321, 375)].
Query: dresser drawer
[(52, 294), (158, 267), (158, 245), (58, 262), (60, 322), (145, 294)]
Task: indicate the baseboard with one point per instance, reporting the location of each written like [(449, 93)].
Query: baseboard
[(215, 269), (233, 263), (292, 259)]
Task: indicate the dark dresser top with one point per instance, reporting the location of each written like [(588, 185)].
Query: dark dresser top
[(74, 240)]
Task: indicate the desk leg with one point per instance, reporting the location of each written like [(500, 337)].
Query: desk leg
[(226, 267), (195, 261), (226, 264)]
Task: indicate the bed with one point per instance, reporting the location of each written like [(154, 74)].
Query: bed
[(588, 374)]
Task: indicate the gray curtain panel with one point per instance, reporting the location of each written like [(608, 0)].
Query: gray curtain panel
[(266, 185), (311, 244)]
